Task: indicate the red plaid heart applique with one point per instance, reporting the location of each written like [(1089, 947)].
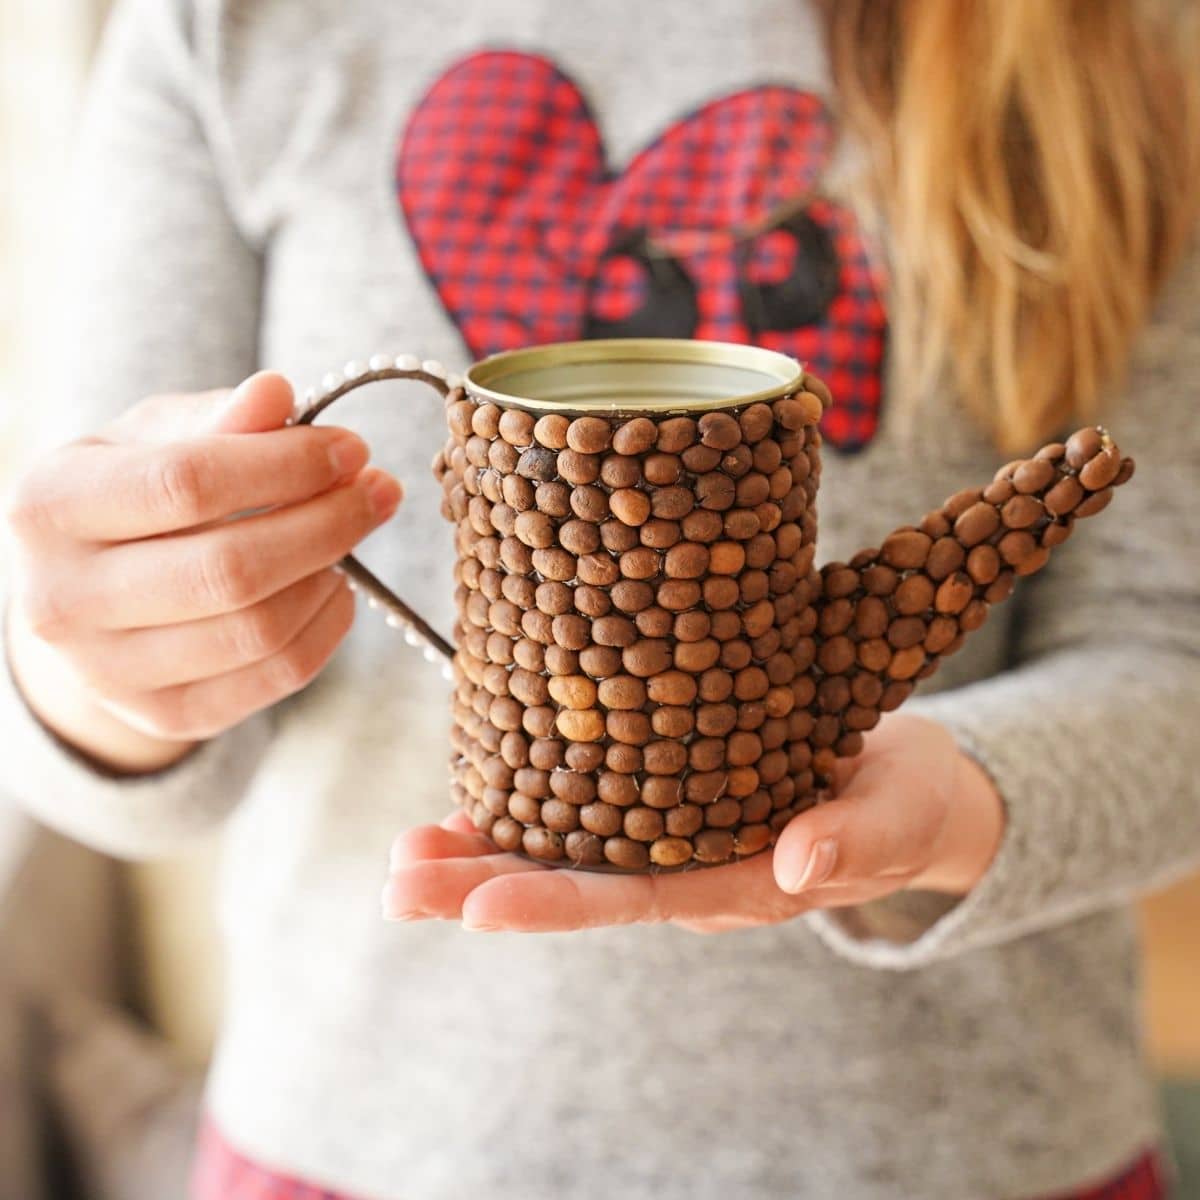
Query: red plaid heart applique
[(718, 229)]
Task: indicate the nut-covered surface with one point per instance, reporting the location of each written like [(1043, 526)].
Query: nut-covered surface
[(651, 672)]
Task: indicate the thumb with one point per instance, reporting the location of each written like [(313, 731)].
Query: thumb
[(877, 828), (258, 404)]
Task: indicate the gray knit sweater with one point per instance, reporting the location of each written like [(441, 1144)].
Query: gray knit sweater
[(247, 196)]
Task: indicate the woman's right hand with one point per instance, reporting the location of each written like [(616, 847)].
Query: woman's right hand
[(145, 618)]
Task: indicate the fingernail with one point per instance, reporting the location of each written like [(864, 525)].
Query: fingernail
[(384, 493), (818, 868), (348, 454), (468, 927)]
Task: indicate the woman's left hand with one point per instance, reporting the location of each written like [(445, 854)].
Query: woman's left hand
[(912, 811)]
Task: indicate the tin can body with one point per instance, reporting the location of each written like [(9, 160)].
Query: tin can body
[(636, 597)]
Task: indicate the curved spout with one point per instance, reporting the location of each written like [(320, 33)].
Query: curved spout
[(887, 617)]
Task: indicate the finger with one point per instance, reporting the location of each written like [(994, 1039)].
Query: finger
[(261, 402), (560, 900), (264, 401), (569, 900), (160, 657), (112, 493), (430, 842), (201, 710), (441, 888), (864, 834), (221, 570), (458, 821)]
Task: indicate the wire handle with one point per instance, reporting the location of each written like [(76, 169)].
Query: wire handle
[(417, 631)]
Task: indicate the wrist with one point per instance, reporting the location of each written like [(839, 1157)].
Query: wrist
[(971, 834), (64, 705)]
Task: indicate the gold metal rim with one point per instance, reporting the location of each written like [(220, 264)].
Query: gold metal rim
[(483, 378)]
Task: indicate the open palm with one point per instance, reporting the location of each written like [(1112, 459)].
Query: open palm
[(912, 811)]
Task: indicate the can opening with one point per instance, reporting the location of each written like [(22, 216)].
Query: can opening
[(625, 376)]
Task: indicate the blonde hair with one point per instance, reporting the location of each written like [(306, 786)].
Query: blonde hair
[(1036, 164)]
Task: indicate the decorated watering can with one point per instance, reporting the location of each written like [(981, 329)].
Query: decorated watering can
[(650, 671)]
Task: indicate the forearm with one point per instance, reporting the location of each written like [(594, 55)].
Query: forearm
[(58, 698), (80, 771), (131, 816), (1087, 748), (1090, 750)]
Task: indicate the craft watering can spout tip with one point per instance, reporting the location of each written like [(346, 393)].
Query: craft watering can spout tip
[(887, 617)]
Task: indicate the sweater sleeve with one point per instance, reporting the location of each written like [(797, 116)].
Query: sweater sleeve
[(1090, 736), (159, 293)]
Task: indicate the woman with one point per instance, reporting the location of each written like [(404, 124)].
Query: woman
[(929, 989)]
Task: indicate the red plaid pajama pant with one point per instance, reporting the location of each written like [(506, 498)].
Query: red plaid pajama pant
[(221, 1173)]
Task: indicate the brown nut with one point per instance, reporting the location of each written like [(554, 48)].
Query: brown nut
[(676, 434), (640, 563), (614, 631), (571, 631), (701, 525), (699, 459), (983, 564), (671, 503), (953, 595), (670, 852), (654, 622), (1022, 511), (976, 524), (624, 852), (672, 687), (576, 467), (559, 816), (687, 560), (914, 595), (756, 422), (1101, 469), (1082, 447), (573, 691), (551, 431), (537, 463), (650, 656), (618, 471), (906, 549), (589, 503), (630, 506), (586, 725), (516, 427), (660, 534), (1033, 475), (715, 491), (661, 470), (583, 848), (719, 430), (543, 844), (589, 435), (600, 662), (534, 528), (632, 595), (601, 818), (684, 820), (725, 558), (635, 436), (622, 692), (713, 845), (1063, 497)]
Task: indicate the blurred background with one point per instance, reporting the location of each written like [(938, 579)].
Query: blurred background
[(110, 974)]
